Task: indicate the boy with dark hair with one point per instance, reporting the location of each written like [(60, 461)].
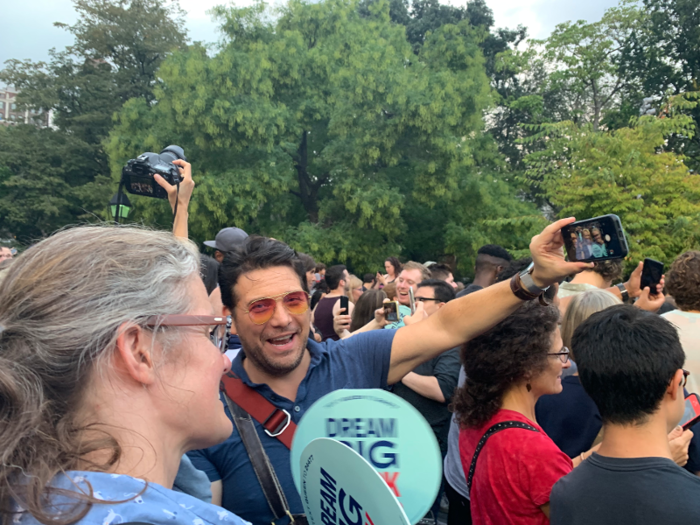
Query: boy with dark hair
[(630, 364)]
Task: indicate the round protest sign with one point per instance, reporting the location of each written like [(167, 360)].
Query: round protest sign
[(338, 486), (388, 432)]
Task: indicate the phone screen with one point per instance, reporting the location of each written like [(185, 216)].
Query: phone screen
[(597, 239), (412, 299), (651, 274), (391, 311), (344, 303), (692, 410)]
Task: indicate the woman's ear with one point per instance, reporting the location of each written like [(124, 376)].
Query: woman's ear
[(133, 356)]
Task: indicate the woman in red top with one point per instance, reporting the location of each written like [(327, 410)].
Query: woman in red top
[(508, 368)]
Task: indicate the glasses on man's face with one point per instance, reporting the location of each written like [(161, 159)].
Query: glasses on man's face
[(217, 327), (563, 354), (685, 377), (426, 299), (261, 310)]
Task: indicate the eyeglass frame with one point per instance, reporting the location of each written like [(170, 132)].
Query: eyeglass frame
[(246, 308), (565, 352), (427, 299), (157, 321), (686, 373)]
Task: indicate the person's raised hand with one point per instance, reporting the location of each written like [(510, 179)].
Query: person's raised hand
[(186, 185), (380, 315), (547, 250), (380, 279), (634, 283), (417, 316), (650, 303), (678, 442), (341, 322)]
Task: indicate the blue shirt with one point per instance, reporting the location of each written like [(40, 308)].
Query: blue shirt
[(361, 361), (570, 418), (156, 504)]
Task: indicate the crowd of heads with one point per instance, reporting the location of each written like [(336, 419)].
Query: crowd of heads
[(65, 305)]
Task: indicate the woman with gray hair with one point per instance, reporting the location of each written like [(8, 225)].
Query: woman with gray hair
[(571, 418), (110, 363)]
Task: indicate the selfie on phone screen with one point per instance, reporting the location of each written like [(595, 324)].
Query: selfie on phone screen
[(597, 239)]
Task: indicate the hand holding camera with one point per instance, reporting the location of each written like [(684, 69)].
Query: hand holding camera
[(181, 197)]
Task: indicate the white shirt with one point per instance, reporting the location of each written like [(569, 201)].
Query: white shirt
[(688, 325)]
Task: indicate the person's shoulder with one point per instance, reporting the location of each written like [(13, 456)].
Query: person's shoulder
[(372, 340), (131, 499)]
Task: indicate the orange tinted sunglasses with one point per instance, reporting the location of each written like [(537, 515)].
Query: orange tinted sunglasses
[(261, 310)]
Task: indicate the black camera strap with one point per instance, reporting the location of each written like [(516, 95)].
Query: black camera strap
[(503, 425)]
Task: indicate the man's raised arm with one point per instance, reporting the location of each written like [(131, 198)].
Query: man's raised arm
[(462, 319)]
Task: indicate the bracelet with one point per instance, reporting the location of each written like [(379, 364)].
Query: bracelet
[(623, 292), (520, 291)]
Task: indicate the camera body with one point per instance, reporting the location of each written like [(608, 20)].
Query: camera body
[(137, 175)]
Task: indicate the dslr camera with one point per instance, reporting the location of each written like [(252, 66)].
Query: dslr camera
[(137, 175)]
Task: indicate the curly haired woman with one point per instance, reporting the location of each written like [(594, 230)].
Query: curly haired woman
[(508, 368)]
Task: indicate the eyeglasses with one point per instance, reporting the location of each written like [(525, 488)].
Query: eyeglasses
[(218, 327), (261, 310), (426, 299), (563, 354), (685, 377)]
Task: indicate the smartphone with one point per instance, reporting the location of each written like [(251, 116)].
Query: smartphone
[(651, 274), (692, 411), (412, 300), (391, 311), (344, 304), (597, 239)]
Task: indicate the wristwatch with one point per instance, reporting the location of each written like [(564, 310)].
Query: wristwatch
[(524, 287), (623, 292)]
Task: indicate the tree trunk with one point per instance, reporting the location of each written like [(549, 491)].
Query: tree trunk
[(308, 189)]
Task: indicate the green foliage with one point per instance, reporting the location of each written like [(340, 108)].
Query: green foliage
[(587, 60), (628, 172), (59, 177), (318, 125), (43, 182), (664, 57)]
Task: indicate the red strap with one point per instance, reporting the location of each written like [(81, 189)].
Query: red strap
[(276, 421)]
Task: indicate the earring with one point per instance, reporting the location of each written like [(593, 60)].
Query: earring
[(529, 387)]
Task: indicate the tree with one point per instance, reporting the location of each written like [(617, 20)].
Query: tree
[(664, 57), (316, 126), (119, 45), (628, 172), (46, 181), (588, 60)]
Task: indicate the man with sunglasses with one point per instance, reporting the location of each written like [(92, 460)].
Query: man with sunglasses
[(630, 363), (264, 289)]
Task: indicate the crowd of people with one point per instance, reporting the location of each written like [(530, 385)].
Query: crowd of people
[(554, 392)]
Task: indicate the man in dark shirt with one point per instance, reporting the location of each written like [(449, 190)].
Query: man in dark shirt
[(491, 259), (630, 364), (262, 287), (429, 387)]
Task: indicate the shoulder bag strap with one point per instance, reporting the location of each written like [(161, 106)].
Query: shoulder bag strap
[(276, 421), (272, 490), (490, 432)]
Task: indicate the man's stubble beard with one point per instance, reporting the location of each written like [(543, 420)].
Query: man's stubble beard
[(261, 362)]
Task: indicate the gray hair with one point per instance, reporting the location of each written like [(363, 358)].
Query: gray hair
[(63, 301), (580, 308)]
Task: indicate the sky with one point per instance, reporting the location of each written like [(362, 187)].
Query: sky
[(28, 33)]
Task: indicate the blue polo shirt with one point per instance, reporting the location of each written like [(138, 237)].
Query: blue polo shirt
[(362, 361)]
